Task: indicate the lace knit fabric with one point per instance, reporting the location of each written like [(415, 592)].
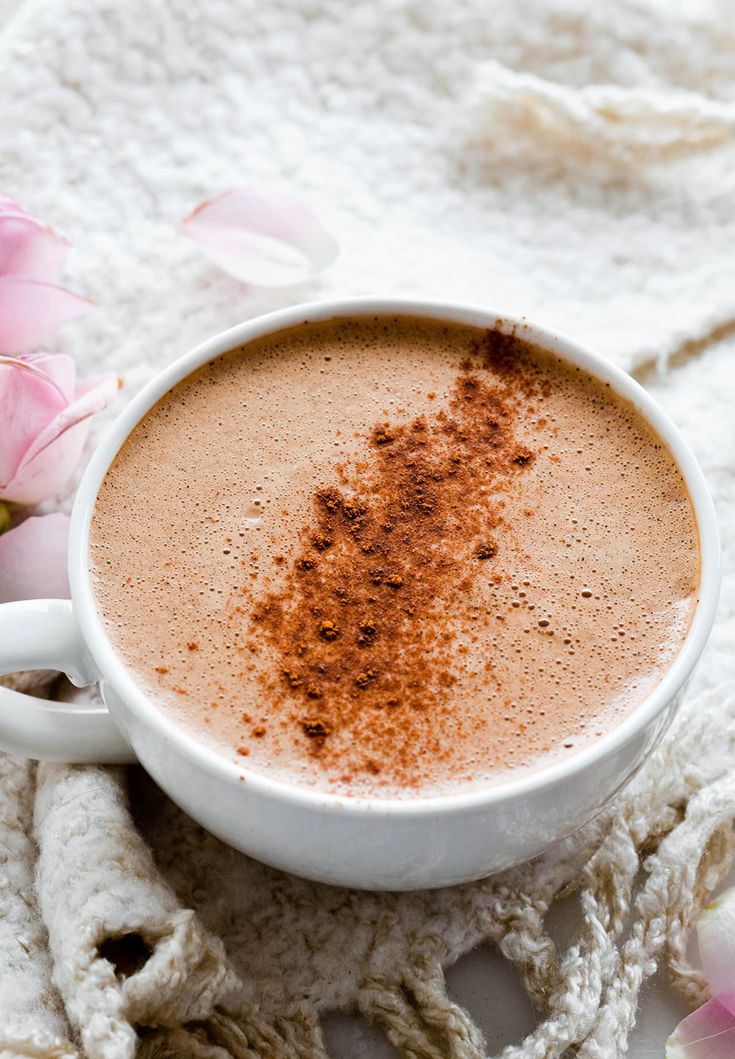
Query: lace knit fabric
[(231, 958), (535, 160)]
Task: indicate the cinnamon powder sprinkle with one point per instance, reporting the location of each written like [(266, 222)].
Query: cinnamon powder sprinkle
[(328, 630), (391, 546), (363, 679), (316, 729), (382, 435), (487, 550), (368, 632)]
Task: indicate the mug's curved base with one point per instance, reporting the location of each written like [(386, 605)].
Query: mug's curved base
[(374, 849)]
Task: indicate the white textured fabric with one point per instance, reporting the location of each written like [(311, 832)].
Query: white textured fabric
[(119, 118), (626, 124), (30, 1011), (529, 157)]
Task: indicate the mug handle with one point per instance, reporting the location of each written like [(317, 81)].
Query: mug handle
[(43, 634)]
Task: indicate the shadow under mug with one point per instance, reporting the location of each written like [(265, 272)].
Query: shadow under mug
[(393, 844)]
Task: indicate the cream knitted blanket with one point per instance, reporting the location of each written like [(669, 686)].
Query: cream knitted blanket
[(567, 160)]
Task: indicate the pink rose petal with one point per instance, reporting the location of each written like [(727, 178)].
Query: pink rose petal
[(33, 559), (59, 367), (708, 1033), (109, 381), (30, 398), (50, 459), (8, 205), (269, 239), (716, 939), (31, 311), (29, 249)]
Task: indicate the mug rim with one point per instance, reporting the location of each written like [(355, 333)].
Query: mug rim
[(113, 669)]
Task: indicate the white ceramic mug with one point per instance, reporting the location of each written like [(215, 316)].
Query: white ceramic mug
[(368, 843)]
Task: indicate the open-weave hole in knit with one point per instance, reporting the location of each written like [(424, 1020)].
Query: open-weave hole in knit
[(531, 157)]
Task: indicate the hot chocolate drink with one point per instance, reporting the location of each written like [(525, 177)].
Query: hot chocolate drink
[(394, 556)]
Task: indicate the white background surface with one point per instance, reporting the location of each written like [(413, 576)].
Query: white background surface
[(482, 981)]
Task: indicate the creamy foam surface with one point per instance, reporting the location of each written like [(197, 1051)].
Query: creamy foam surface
[(387, 556)]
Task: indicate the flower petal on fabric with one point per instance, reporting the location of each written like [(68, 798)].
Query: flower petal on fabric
[(708, 1033), (269, 239), (30, 399), (8, 205), (29, 249), (52, 456), (31, 311), (33, 559), (109, 382), (716, 939)]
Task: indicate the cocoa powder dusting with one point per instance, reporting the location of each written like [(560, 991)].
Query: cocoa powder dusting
[(362, 624)]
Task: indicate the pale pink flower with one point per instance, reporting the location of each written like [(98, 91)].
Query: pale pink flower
[(45, 413), (32, 306), (33, 559), (265, 238), (709, 1032)]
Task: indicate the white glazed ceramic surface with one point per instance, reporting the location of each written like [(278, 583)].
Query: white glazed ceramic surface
[(395, 844)]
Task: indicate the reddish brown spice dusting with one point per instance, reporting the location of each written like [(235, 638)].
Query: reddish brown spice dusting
[(329, 630), (368, 630), (382, 435), (162, 670), (523, 457), (502, 353), (192, 646), (316, 729), (487, 550), (390, 548), (367, 677)]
